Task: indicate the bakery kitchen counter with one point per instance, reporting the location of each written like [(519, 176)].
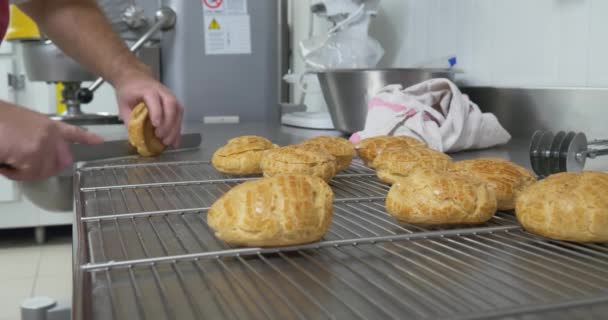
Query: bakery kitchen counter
[(216, 135)]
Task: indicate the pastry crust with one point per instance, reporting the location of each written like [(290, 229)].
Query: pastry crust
[(299, 159), (141, 133), (429, 197), (506, 178), (278, 211), (342, 149), (241, 155), (368, 149), (567, 206), (397, 163)]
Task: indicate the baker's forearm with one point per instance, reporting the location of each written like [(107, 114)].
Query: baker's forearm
[(81, 30)]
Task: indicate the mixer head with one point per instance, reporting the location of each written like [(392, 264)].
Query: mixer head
[(562, 152)]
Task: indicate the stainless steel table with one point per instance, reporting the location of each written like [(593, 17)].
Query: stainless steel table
[(143, 250)]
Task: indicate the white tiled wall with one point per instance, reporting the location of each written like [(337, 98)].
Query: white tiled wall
[(501, 42)]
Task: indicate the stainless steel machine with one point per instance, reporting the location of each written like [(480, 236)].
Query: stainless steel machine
[(46, 63), (227, 62)]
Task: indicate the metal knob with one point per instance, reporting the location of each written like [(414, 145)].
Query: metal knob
[(134, 17)]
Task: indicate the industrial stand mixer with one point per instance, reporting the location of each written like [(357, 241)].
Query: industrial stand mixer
[(45, 62)]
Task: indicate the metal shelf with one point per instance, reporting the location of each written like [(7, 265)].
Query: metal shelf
[(149, 254)]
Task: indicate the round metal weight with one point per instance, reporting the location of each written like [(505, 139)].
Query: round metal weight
[(577, 153)]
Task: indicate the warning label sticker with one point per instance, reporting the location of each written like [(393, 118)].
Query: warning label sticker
[(214, 25), (227, 34), (227, 27)]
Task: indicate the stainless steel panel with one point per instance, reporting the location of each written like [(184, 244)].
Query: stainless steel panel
[(524, 110), (219, 85), (45, 62), (146, 252), (347, 92)]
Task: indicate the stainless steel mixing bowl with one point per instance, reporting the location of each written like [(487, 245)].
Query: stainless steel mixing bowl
[(46, 62), (54, 194), (347, 92)]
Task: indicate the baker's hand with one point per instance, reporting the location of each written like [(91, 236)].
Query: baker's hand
[(165, 111), (34, 146)]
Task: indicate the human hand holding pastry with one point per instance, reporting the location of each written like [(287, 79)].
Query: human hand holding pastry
[(142, 134)]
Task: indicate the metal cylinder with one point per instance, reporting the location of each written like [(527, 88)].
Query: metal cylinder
[(36, 308)]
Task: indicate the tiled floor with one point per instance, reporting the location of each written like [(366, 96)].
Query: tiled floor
[(28, 269)]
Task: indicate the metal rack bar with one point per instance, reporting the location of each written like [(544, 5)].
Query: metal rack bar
[(139, 165), (202, 272), (163, 184), (273, 289), (549, 255), (597, 247), (251, 293), (427, 285), (363, 294), (445, 267), (541, 243), (420, 291), (579, 247), (322, 285), (447, 298), (528, 309), (104, 217), (194, 182), (545, 277), (241, 286), (298, 287), (180, 241), (531, 280), (133, 284), (451, 258), (318, 245), (547, 266), (155, 271), (203, 245), (137, 293), (113, 301), (396, 300), (341, 185), (169, 312)]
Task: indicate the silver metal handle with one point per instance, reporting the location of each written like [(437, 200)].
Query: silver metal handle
[(603, 142), (594, 153), (165, 20)]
